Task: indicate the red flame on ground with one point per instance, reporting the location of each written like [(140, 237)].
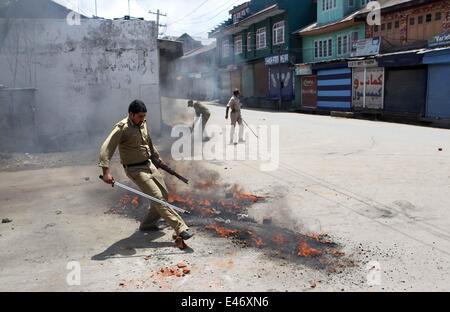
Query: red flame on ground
[(304, 250), (221, 231)]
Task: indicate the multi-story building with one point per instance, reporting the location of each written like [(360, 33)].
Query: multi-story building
[(327, 45), (257, 50), (415, 54)]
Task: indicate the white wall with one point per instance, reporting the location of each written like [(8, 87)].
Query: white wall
[(85, 75)]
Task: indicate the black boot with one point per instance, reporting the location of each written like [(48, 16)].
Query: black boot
[(186, 235)]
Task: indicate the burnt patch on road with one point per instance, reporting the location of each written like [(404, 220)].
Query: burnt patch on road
[(221, 210)]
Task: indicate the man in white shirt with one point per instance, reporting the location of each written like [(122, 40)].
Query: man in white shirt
[(236, 117)]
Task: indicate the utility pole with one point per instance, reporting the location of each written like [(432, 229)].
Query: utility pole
[(129, 8), (96, 13), (158, 14)]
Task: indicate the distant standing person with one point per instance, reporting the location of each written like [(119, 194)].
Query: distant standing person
[(236, 116), (201, 111)]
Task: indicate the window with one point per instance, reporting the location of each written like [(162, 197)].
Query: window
[(323, 48), (328, 5), (383, 27), (316, 49), (249, 42), (428, 18), (355, 36), (278, 33), (225, 48), (339, 45), (238, 45), (261, 39), (389, 26), (351, 3), (343, 45), (397, 24), (376, 28), (438, 16), (420, 20), (412, 21)]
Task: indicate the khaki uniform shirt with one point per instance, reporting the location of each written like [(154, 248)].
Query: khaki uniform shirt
[(235, 104), (201, 109), (134, 142)]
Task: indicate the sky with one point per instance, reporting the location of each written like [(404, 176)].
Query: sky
[(195, 17)]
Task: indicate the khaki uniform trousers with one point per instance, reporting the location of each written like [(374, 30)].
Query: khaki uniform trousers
[(236, 118), (150, 181)]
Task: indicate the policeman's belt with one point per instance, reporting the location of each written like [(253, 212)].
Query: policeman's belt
[(145, 163)]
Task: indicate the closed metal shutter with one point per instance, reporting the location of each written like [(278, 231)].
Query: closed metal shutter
[(334, 89), (438, 99), (262, 80), (406, 90), (248, 85)]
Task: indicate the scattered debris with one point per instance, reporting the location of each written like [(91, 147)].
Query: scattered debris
[(58, 212), (221, 220), (338, 253), (242, 217), (267, 221), (186, 271), (87, 179), (174, 271), (440, 149), (179, 242), (181, 265), (6, 220)]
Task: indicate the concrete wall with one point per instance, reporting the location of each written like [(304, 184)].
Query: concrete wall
[(85, 76)]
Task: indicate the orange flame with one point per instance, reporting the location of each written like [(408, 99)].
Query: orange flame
[(223, 232), (304, 250), (135, 202), (246, 196), (174, 198)]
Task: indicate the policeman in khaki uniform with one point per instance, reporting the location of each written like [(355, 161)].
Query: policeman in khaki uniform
[(236, 116), (203, 111), (135, 147)]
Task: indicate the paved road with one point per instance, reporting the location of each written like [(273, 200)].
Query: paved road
[(379, 189)]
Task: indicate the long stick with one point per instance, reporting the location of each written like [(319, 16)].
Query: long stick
[(250, 128), (149, 197)]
